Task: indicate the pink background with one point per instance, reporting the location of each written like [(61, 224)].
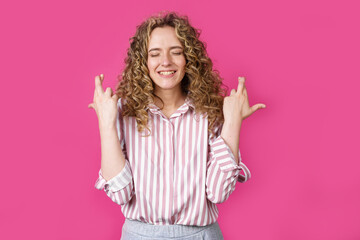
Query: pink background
[(300, 58)]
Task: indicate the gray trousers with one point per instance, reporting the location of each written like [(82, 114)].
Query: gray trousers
[(136, 230)]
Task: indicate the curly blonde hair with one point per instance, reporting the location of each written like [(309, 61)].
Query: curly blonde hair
[(201, 83)]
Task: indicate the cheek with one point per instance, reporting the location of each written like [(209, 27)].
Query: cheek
[(183, 63), (151, 66)]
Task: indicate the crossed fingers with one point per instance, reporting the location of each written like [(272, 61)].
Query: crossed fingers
[(241, 87), (241, 84), (98, 84), (242, 94), (98, 88)]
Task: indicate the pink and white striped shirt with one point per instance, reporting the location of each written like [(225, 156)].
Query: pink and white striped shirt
[(177, 174)]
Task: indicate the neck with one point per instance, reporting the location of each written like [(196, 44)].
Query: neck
[(171, 98)]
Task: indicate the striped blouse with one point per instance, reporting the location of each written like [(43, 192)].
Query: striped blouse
[(176, 175)]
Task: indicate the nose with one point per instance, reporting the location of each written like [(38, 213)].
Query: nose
[(166, 60)]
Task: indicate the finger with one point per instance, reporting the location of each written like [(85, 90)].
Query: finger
[(257, 107), (233, 91), (245, 92), (115, 97), (241, 84), (91, 105), (95, 94), (108, 91), (98, 86)]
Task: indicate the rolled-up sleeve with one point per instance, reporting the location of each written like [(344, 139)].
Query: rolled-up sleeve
[(120, 188), (222, 170)]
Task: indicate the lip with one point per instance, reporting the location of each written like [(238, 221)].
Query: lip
[(166, 76)]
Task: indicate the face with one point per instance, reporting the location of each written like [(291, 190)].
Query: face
[(166, 60)]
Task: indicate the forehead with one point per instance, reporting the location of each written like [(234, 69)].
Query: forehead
[(163, 37)]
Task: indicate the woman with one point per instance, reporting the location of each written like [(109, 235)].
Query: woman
[(169, 136)]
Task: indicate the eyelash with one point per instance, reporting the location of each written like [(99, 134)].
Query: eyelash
[(177, 53)]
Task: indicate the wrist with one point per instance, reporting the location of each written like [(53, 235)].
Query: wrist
[(232, 125), (106, 128)]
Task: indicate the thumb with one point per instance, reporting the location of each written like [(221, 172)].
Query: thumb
[(91, 105), (258, 106)]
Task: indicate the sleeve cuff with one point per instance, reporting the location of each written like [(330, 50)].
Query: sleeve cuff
[(118, 182), (222, 153)]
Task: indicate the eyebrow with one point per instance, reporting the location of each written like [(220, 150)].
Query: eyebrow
[(157, 49)]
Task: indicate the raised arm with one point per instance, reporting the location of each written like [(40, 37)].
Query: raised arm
[(224, 163), (236, 108), (115, 175)]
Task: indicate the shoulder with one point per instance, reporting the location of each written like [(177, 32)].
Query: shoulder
[(121, 102)]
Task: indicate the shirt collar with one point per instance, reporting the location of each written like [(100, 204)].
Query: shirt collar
[(182, 109)]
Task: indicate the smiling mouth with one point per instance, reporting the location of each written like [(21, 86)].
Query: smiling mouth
[(167, 73)]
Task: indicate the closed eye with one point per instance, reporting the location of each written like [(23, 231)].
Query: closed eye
[(155, 55)]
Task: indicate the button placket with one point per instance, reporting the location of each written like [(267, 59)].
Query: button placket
[(172, 144)]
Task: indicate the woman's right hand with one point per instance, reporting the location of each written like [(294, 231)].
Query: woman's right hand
[(104, 103)]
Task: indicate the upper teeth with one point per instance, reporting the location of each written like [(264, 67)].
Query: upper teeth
[(167, 73)]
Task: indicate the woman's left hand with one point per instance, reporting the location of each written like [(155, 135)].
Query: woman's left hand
[(236, 106)]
